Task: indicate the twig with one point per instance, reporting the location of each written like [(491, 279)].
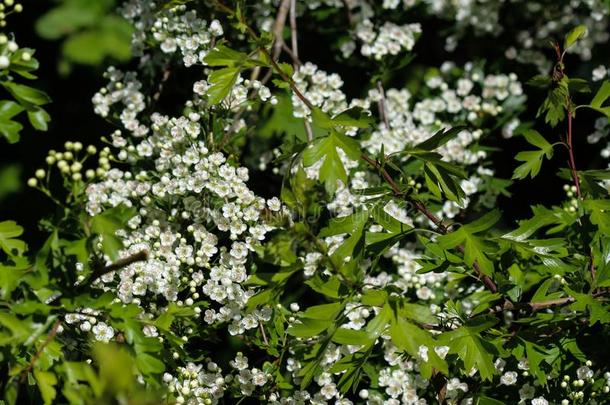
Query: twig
[(488, 282), (278, 27), (99, 272), (348, 13), (50, 336), (278, 34), (592, 265), (295, 59), (263, 333), (164, 79), (119, 264), (557, 75), (539, 306), (421, 207), (571, 161), (294, 54), (383, 109), (293, 28), (265, 52)]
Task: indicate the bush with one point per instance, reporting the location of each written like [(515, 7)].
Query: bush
[(295, 207)]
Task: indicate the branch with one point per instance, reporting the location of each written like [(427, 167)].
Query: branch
[(119, 264), (571, 161), (278, 27), (421, 207), (294, 55), (50, 336), (265, 52), (348, 13), (293, 28), (383, 109), (418, 204), (539, 306)]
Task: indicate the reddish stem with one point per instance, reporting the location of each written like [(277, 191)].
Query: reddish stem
[(572, 162), (421, 207)]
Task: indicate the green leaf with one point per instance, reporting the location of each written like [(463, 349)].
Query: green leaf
[(351, 337), (535, 355), (484, 400), (116, 367), (542, 217), (473, 350), (574, 35), (439, 178), (554, 106), (8, 128), (599, 214), (8, 109), (149, 364), (324, 311), (353, 117), (26, 95), (539, 81), (600, 98), (332, 168), (345, 224), (532, 159), (46, 381), (440, 138), (598, 310), (107, 223), (331, 287), (20, 330), (9, 230), (410, 338), (309, 327), (602, 94), (39, 119), (221, 81), (475, 248), (282, 121), (222, 55), (173, 311), (11, 276), (66, 19)]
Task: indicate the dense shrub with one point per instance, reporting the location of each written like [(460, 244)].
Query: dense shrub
[(314, 212)]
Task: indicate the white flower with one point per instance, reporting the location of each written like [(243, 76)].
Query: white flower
[(584, 373), (599, 73), (103, 332), (4, 62), (540, 401), (329, 391), (509, 378), (274, 204), (526, 392), (423, 353), (441, 351)]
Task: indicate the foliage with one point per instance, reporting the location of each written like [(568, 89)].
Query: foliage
[(378, 269), (89, 30)]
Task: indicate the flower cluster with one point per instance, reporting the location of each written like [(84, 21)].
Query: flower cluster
[(378, 246), (183, 30), (122, 89), (10, 52), (71, 164), (474, 97), (321, 88), (8, 7), (390, 39)]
